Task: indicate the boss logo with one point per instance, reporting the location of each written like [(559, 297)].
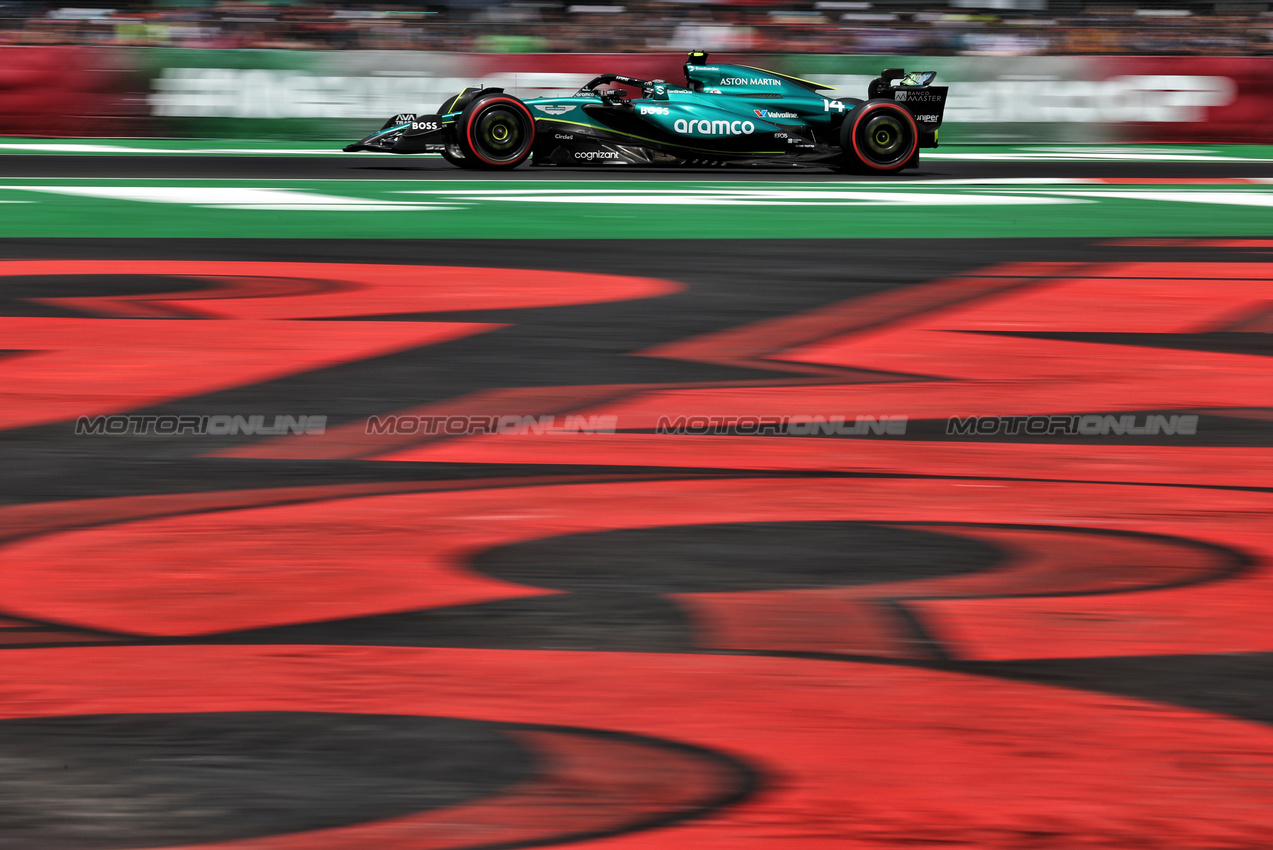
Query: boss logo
[(655, 110), (425, 125)]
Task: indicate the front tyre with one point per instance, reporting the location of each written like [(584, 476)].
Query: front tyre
[(881, 138), (496, 132)]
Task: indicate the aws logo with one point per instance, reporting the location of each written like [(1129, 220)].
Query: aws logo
[(704, 127)]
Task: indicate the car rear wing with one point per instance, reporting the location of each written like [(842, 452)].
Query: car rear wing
[(926, 102)]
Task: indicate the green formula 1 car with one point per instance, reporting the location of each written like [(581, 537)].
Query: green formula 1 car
[(723, 115)]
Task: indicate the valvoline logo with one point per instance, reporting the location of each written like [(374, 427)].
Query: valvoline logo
[(769, 113)]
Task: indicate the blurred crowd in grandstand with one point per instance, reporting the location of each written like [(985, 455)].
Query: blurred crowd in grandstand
[(965, 27)]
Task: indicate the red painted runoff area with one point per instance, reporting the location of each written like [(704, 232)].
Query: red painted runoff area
[(812, 713)]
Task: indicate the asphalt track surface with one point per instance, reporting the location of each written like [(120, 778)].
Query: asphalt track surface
[(720, 639), (353, 166)]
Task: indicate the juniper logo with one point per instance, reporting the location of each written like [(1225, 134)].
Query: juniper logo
[(216, 426)]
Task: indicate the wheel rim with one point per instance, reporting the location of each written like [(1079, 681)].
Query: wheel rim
[(885, 139), (500, 134)]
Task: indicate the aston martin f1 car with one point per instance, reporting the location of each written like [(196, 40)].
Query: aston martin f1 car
[(723, 115)]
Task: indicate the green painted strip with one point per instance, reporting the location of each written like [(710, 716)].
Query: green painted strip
[(656, 209)]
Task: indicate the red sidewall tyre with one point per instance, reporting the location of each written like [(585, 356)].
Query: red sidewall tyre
[(896, 142), (496, 132)]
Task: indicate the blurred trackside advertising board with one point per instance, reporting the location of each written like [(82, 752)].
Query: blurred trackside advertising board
[(84, 92), (348, 94), (72, 91)]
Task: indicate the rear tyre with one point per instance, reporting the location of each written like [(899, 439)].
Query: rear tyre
[(495, 132), (881, 138)]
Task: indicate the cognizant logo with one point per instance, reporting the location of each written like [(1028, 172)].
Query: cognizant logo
[(703, 127)]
